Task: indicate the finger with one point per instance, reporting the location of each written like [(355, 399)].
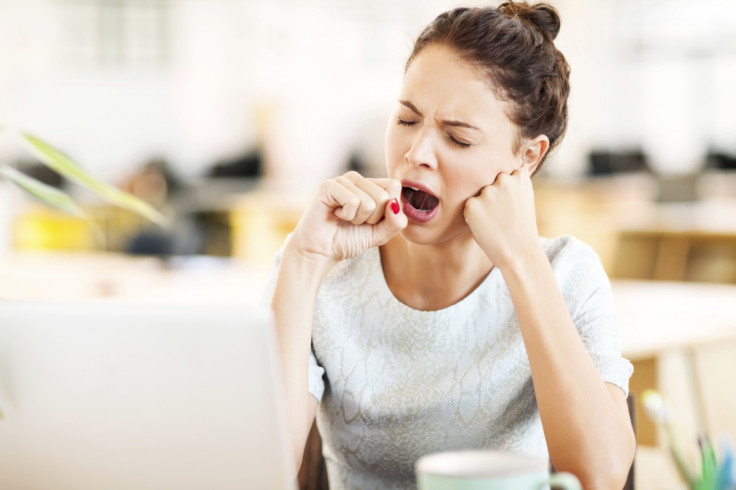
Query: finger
[(392, 186), (366, 204), (472, 208), (522, 171), (391, 224), (499, 176), (341, 200), (379, 195)]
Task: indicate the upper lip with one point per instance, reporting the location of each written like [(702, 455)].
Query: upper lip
[(418, 186)]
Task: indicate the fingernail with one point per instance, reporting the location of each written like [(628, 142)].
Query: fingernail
[(395, 206)]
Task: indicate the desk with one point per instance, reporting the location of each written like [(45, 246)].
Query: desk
[(681, 338), (656, 316), (122, 278), (639, 238), (679, 242)]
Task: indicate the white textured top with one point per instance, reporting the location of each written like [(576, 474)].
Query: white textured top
[(397, 383)]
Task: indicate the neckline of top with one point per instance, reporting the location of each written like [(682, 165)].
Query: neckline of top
[(376, 265)]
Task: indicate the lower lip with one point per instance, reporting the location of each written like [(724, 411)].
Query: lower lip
[(417, 215)]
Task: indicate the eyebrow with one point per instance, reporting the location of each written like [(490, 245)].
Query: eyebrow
[(448, 122)]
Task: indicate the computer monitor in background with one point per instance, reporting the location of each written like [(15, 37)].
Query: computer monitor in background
[(112, 396), (602, 162)]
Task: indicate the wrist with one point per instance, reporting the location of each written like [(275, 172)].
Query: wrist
[(312, 265), (523, 260)]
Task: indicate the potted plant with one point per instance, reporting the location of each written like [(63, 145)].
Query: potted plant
[(68, 168)]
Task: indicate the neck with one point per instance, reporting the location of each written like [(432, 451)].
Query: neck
[(432, 277)]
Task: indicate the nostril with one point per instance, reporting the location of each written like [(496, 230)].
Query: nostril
[(423, 160)]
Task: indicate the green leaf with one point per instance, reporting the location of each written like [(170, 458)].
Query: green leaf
[(65, 166), (49, 195)]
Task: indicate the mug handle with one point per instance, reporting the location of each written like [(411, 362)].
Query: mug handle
[(568, 481)]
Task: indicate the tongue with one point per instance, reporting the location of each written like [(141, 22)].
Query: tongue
[(420, 200)]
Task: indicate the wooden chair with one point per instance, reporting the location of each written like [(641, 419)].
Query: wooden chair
[(631, 401), (313, 473)]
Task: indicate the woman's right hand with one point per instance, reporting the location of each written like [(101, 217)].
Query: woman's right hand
[(349, 215)]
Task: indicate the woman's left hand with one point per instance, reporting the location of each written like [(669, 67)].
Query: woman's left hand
[(502, 217)]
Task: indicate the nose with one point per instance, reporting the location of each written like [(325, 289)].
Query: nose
[(422, 151)]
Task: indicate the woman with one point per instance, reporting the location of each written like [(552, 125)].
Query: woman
[(437, 317)]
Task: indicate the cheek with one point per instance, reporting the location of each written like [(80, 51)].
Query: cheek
[(476, 176), (462, 185), (391, 146), (486, 170)]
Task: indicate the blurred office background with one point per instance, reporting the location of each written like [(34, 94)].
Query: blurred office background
[(225, 114), (223, 96)]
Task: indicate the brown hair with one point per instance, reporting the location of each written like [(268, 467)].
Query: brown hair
[(512, 45)]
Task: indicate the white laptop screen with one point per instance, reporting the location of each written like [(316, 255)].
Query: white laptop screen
[(120, 396)]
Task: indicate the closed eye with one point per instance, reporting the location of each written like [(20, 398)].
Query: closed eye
[(403, 122), (458, 142)]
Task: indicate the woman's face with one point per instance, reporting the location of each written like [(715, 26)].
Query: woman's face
[(448, 138)]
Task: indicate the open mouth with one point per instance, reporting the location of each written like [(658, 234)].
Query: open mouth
[(420, 200), (419, 205)]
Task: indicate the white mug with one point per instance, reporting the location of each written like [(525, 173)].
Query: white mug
[(488, 470)]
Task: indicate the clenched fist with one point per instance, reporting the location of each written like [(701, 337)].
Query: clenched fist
[(502, 217), (349, 215)]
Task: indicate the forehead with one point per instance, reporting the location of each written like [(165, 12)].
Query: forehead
[(439, 80)]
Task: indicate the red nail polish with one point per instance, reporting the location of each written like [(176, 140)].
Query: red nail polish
[(395, 206)]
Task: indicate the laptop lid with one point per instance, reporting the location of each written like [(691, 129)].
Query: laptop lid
[(118, 396)]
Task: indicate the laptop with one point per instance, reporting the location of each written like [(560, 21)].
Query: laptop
[(114, 396)]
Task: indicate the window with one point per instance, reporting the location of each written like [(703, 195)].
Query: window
[(115, 33)]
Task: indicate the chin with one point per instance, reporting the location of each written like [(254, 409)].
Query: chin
[(422, 235), (418, 237)]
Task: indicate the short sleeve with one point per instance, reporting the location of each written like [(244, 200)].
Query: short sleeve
[(316, 378), (589, 298)]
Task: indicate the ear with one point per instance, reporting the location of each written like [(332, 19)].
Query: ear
[(533, 152)]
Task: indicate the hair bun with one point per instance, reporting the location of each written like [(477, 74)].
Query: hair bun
[(542, 16)]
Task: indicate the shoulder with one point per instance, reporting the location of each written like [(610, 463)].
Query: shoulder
[(576, 265), (566, 247), (346, 292), (567, 252)]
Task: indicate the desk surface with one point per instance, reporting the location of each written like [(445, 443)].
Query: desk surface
[(121, 278), (655, 316)]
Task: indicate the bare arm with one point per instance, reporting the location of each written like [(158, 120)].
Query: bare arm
[(349, 215), (585, 420), (293, 300)]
